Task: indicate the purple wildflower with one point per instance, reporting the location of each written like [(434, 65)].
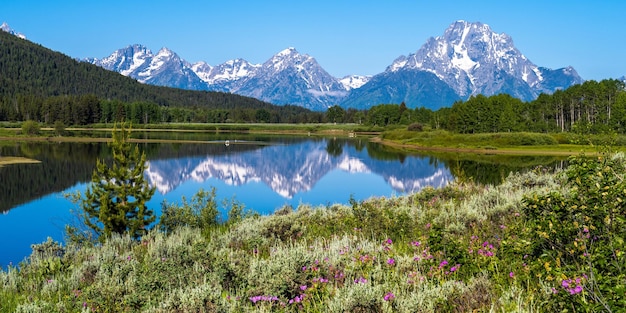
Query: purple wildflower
[(296, 299), (576, 290), (391, 261), (256, 299), (565, 283), (443, 263), (389, 296)]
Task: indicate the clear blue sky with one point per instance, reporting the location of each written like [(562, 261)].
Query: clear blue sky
[(346, 37)]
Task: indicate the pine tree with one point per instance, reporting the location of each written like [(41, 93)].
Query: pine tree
[(115, 202)]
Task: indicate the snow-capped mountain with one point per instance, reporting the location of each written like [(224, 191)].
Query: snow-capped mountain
[(287, 78), (354, 81), (5, 27), (471, 59), (467, 60), (227, 76), (165, 68), (293, 78)]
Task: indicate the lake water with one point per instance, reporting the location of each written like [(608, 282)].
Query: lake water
[(263, 173)]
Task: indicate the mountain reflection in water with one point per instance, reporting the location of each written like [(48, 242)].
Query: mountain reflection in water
[(263, 174), (296, 168)]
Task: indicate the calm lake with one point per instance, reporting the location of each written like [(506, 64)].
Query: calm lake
[(262, 172)]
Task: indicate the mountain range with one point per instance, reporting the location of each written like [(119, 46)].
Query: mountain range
[(467, 60)]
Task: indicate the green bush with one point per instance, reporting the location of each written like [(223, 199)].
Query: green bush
[(59, 128), (31, 128), (579, 236), (201, 212)]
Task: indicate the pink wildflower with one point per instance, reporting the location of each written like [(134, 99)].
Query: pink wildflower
[(389, 296), (443, 263)]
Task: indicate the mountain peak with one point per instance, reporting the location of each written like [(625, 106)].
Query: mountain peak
[(469, 56), (288, 51), (166, 52)]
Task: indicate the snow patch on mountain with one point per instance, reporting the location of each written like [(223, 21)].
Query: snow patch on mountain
[(354, 81)]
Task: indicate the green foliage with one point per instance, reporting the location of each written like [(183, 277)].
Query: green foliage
[(31, 128), (59, 128), (202, 212), (581, 234), (335, 114), (115, 201)]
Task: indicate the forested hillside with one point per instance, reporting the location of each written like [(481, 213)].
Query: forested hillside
[(40, 84), (591, 107)]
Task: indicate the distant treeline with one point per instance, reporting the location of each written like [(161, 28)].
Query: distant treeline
[(89, 109), (592, 107)]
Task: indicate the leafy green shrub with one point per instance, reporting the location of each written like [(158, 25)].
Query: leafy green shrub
[(31, 128), (579, 236), (59, 128), (201, 212)]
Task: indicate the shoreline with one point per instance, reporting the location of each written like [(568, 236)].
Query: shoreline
[(560, 150), (498, 151)]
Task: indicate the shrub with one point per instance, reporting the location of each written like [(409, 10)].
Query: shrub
[(59, 128), (579, 236), (416, 127), (31, 128), (201, 212)]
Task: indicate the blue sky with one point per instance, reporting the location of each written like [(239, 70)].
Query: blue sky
[(346, 37)]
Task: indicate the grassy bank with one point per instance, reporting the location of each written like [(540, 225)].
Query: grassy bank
[(14, 129), (557, 144), (521, 143), (461, 248)]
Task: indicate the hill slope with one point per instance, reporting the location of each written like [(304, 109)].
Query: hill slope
[(31, 69)]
